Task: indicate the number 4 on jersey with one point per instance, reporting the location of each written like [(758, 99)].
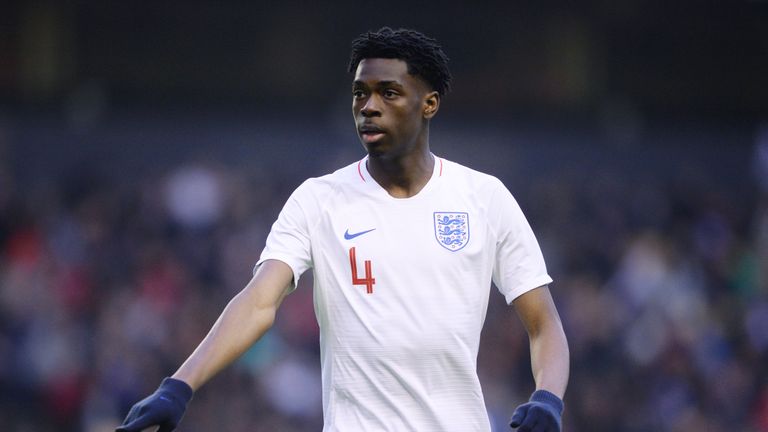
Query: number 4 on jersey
[(368, 280)]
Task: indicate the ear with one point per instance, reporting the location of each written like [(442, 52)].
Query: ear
[(431, 104)]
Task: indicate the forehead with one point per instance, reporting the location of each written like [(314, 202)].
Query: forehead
[(374, 70)]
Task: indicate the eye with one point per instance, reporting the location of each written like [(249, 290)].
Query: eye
[(357, 94), (389, 94)]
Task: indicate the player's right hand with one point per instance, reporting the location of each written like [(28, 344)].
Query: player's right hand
[(165, 408)]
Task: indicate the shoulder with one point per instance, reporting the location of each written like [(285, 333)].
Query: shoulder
[(478, 181), (321, 189)]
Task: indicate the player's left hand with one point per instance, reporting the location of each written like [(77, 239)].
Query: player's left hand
[(542, 413)]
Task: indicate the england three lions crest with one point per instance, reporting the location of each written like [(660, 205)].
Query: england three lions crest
[(452, 229)]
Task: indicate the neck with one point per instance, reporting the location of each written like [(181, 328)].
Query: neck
[(405, 175)]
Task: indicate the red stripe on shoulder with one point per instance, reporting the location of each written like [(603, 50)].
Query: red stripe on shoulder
[(441, 168)]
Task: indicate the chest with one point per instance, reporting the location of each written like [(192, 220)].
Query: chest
[(404, 246), (442, 232), (417, 269)]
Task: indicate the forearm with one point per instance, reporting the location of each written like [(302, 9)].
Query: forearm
[(550, 358), (238, 327)]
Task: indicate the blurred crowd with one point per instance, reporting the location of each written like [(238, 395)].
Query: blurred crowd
[(106, 286)]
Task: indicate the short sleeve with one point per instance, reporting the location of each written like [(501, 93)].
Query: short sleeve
[(289, 240), (519, 264)]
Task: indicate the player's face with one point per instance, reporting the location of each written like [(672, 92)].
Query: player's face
[(391, 107)]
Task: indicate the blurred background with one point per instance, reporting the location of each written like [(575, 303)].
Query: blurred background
[(147, 147)]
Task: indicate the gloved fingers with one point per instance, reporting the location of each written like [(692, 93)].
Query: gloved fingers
[(518, 416), (132, 414), (136, 425), (130, 418), (544, 426), (529, 423), (545, 420)]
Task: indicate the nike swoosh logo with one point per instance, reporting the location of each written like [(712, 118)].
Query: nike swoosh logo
[(349, 236)]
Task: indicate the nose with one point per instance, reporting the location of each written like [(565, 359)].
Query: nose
[(371, 107)]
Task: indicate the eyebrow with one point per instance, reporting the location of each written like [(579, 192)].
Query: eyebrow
[(379, 83)]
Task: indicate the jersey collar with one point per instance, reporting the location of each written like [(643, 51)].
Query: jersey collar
[(364, 176)]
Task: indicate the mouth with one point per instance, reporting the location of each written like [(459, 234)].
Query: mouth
[(370, 133)]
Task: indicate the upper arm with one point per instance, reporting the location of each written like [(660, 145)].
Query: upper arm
[(271, 282), (536, 309)]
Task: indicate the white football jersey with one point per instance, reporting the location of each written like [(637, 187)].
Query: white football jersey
[(401, 290)]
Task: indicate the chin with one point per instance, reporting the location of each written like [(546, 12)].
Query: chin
[(375, 148)]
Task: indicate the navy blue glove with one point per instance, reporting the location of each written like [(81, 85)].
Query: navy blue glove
[(165, 408), (541, 413)]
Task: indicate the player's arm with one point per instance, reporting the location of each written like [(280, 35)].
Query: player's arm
[(549, 360), (244, 320), (549, 348)]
